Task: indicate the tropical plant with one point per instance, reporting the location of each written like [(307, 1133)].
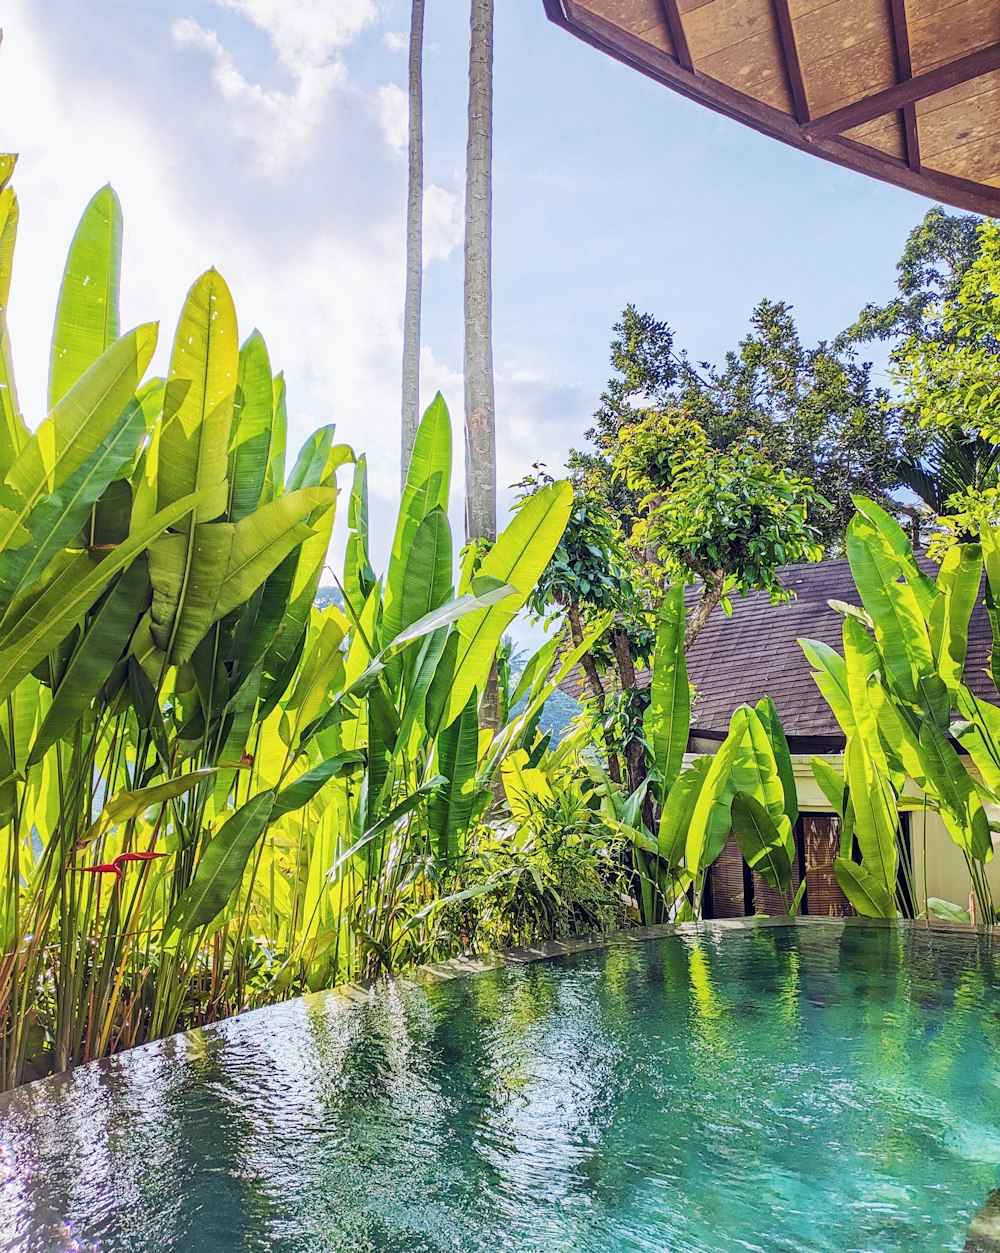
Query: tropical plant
[(213, 794), (677, 821), (894, 693)]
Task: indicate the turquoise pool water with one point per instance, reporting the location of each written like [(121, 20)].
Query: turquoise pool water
[(793, 1088)]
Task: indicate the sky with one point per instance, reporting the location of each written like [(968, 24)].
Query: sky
[(267, 138)]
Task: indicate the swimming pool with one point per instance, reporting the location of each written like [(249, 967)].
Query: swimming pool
[(815, 1087)]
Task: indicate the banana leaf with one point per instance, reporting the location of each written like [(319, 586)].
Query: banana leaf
[(668, 718), (194, 446), (87, 313), (221, 868), (863, 889), (763, 846)]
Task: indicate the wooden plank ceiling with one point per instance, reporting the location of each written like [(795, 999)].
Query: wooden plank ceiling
[(905, 90)]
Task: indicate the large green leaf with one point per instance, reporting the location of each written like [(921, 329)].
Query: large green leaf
[(862, 661), (979, 736), (874, 815), (8, 236), (450, 809), (899, 731), (767, 712), (74, 432), (710, 820), (898, 557), (668, 719), (200, 577), (13, 432), (57, 518), (87, 313), (675, 818), (427, 487), (250, 444), (754, 768), (9, 778), (288, 595), (221, 867), (831, 784), (948, 911), (101, 645), (900, 629), (266, 537), (764, 847), (308, 785), (427, 579), (521, 553), (279, 440), (194, 446), (958, 581), (396, 814), (863, 889), (131, 803), (830, 674), (26, 637), (961, 808), (359, 577)]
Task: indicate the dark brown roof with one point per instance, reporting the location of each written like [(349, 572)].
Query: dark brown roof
[(755, 653), (905, 90)]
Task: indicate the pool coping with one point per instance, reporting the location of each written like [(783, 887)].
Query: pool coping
[(365, 992)]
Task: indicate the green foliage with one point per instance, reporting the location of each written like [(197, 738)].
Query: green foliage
[(953, 378), (936, 256), (212, 794), (893, 693), (814, 411), (707, 514)]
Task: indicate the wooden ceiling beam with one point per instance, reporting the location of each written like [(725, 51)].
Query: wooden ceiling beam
[(789, 49), (970, 195), (672, 18), (904, 72), (951, 74)]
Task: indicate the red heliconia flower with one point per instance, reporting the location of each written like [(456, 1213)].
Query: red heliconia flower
[(135, 857), (117, 866), (105, 868)]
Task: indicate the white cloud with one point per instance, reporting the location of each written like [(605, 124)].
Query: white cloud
[(277, 122), (443, 223), (319, 268), (306, 33), (393, 115), (394, 40)]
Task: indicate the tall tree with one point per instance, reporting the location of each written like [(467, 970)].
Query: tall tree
[(480, 412), (414, 238), (480, 416), (935, 257), (811, 410)]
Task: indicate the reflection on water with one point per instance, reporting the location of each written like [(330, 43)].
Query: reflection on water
[(779, 1089)]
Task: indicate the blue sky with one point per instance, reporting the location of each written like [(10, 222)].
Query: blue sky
[(266, 137)]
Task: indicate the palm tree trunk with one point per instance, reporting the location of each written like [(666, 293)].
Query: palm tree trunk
[(414, 239), (480, 415), (480, 418)]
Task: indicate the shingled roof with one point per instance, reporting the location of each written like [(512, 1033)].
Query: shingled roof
[(755, 653)]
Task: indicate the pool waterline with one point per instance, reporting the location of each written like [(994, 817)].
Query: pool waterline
[(567, 1145)]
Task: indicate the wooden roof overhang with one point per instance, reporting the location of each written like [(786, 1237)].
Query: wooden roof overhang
[(905, 90)]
